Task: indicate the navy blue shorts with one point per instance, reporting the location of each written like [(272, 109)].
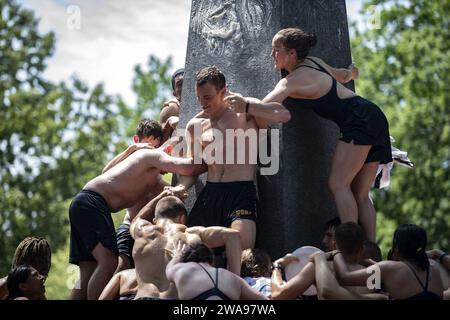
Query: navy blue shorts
[(90, 223), (221, 203)]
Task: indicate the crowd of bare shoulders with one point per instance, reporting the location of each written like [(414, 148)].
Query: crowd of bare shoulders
[(163, 252), (179, 264)]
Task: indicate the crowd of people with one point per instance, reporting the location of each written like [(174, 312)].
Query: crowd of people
[(163, 252)]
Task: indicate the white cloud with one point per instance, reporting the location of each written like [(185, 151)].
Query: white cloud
[(113, 38)]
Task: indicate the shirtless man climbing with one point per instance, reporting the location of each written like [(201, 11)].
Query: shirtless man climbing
[(93, 245), (229, 197), (149, 134)]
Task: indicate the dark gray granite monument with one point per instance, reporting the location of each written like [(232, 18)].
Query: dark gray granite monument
[(236, 36)]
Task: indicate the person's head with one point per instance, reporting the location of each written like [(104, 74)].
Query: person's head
[(33, 251), (171, 208), (149, 131), (25, 281), (197, 252), (210, 88), (255, 263), (328, 241), (409, 243), (372, 251), (291, 45), (177, 83), (350, 240)]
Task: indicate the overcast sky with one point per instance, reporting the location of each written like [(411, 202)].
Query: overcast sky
[(114, 35)]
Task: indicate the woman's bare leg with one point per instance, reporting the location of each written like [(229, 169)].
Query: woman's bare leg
[(347, 162), (360, 187)]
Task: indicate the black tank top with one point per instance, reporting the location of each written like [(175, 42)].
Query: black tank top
[(425, 294), (213, 292), (329, 106)]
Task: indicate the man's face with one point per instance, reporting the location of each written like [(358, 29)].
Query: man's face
[(154, 142), (178, 87), (211, 99), (328, 241)]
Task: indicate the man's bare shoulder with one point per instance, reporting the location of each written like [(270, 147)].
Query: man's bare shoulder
[(143, 158), (197, 119), (172, 102), (148, 153), (200, 116), (171, 107), (175, 227)]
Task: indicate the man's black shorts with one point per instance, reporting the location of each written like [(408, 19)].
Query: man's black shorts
[(90, 223), (221, 203), (125, 242)]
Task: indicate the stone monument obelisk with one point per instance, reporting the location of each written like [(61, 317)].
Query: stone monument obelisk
[(236, 36)]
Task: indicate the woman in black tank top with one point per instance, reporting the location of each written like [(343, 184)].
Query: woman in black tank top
[(195, 278), (365, 143)]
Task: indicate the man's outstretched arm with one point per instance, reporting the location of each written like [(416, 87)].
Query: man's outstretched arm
[(125, 154), (266, 111), (214, 237), (295, 286), (164, 162)]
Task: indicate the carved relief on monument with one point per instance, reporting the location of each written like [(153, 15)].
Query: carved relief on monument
[(226, 24)]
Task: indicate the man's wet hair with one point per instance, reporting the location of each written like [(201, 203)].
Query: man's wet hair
[(372, 251), (147, 128), (332, 223), (33, 251), (211, 75), (349, 238), (16, 276), (177, 76), (197, 253), (170, 208), (255, 263)]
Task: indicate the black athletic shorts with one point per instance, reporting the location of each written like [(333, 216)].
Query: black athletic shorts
[(125, 242), (221, 203), (90, 223)]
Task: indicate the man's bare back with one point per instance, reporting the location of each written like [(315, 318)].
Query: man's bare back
[(152, 252), (133, 179)]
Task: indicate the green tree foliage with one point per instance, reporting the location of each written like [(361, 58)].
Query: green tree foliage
[(56, 137), (152, 87), (404, 68), (53, 138)]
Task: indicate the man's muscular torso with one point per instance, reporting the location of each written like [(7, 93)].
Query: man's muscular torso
[(223, 171)]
